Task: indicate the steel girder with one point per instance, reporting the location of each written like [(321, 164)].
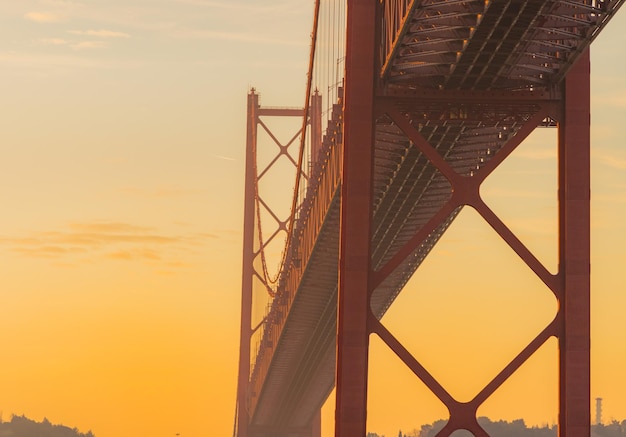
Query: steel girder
[(497, 44)]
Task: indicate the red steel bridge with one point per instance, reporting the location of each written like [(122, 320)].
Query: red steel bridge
[(410, 106)]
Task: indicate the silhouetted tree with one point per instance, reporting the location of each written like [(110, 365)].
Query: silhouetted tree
[(515, 428), (501, 428), (21, 426)]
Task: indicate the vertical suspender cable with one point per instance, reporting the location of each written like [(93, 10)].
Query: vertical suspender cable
[(268, 279)]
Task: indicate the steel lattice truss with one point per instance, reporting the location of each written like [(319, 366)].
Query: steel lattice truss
[(467, 78), (452, 44)]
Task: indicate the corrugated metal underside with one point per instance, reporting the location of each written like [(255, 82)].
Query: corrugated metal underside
[(497, 44)]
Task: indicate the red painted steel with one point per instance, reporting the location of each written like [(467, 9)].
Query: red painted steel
[(570, 286), (466, 191), (356, 221), (316, 127), (253, 202), (460, 85), (574, 305), (243, 419)]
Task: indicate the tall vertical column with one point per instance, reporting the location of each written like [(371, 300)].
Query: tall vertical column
[(355, 221), (247, 268), (574, 210)]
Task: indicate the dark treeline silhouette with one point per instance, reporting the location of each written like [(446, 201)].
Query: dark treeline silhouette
[(516, 428), (613, 429), (21, 426)]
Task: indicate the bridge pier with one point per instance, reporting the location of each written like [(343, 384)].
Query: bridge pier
[(436, 96), (355, 227), (574, 253), (242, 418), (569, 104)]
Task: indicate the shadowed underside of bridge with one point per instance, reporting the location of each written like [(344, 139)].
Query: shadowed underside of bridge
[(454, 87)]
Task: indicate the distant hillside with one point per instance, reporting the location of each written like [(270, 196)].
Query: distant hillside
[(21, 426), (516, 428)]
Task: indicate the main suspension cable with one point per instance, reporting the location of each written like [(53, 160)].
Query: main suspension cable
[(271, 282)]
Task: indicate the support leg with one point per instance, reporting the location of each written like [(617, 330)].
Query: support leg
[(248, 270), (574, 210), (355, 224)]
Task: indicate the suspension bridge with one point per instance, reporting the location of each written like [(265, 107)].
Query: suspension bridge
[(410, 105)]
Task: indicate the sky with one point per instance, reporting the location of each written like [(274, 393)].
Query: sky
[(122, 135)]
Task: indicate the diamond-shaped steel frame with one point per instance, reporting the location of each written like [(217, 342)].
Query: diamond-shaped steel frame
[(568, 105)]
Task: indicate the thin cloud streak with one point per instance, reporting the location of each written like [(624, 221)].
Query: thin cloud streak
[(160, 193), (236, 37), (273, 8), (100, 33), (67, 4), (53, 41), (108, 240), (129, 255), (225, 158), (42, 17), (50, 62), (89, 45), (108, 227), (610, 161)]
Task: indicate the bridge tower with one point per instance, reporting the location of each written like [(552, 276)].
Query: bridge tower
[(567, 107), (254, 243)]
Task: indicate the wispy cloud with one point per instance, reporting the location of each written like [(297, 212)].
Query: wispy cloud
[(42, 17), (128, 255), (103, 33), (225, 158), (159, 193), (53, 41), (236, 37), (61, 3), (88, 45), (106, 240), (87, 238), (61, 63), (273, 7), (613, 162), (108, 227)]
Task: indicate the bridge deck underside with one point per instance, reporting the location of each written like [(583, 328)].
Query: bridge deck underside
[(517, 46), (503, 44)]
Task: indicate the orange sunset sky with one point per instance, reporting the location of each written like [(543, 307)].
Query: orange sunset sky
[(122, 135)]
